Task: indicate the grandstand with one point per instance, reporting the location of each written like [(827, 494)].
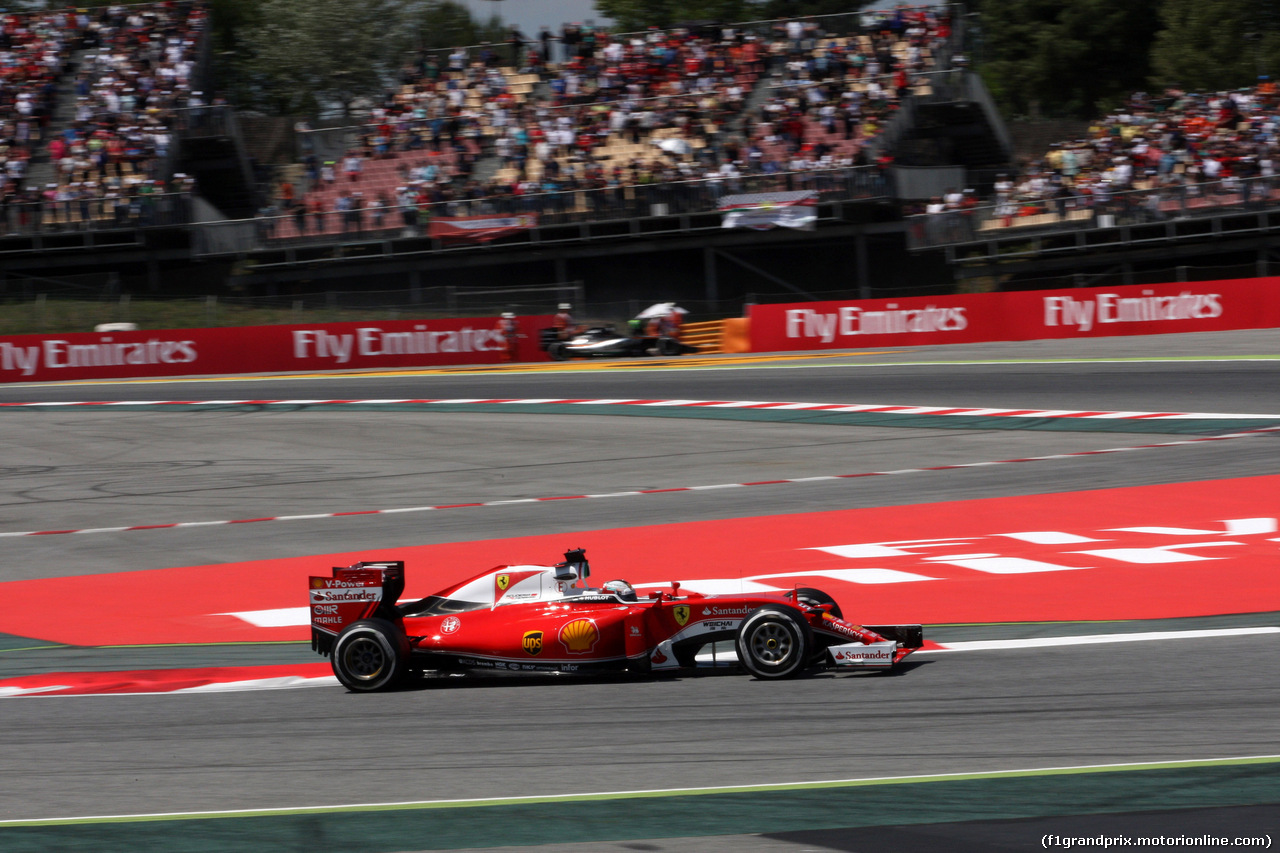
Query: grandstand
[(103, 100), (622, 148), (1176, 168), (89, 106), (599, 128)]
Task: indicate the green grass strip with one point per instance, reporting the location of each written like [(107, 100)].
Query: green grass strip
[(690, 813)]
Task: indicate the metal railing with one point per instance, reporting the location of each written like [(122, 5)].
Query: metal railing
[(134, 210), (1028, 216), (127, 210), (561, 207), (34, 306)]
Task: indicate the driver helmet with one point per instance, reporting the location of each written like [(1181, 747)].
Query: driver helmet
[(622, 589)]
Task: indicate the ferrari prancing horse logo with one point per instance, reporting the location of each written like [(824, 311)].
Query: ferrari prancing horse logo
[(681, 612), (503, 581)]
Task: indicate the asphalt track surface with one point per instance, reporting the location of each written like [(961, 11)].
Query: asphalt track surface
[(494, 739)]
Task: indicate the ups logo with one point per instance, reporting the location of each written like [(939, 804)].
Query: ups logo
[(503, 582), (532, 642), (681, 612)]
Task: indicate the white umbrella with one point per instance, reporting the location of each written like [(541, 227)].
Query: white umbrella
[(660, 309), (679, 147)]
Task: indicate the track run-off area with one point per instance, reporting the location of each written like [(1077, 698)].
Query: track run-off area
[(1088, 530)]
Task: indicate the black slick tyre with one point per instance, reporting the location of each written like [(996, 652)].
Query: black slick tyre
[(774, 641), (558, 352), (370, 655)]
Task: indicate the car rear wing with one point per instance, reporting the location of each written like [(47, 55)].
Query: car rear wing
[(362, 591)]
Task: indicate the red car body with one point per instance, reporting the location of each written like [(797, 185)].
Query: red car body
[(544, 619)]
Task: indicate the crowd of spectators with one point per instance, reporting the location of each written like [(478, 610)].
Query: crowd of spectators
[(88, 100), (619, 115), (93, 94), (835, 93), (34, 52), (1158, 156)]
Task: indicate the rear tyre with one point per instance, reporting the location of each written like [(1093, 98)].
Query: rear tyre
[(558, 352), (370, 655), (807, 597), (774, 641), (668, 346)]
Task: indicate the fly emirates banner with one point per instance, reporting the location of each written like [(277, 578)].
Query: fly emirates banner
[(264, 349), (1020, 316)]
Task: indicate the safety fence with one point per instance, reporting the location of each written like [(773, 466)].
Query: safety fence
[(1096, 207)]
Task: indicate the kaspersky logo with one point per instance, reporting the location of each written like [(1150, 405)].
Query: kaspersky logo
[(532, 642), (681, 612)]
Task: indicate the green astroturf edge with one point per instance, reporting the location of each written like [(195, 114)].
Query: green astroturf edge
[(623, 817), (1190, 426)]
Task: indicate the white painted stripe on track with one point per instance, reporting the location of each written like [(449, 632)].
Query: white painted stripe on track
[(947, 411), (1096, 639), (636, 492), (597, 795), (726, 656), (287, 682)]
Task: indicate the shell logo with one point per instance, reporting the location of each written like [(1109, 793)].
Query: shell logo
[(580, 636)]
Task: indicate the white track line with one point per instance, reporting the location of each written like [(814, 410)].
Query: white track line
[(939, 411), (674, 792), (721, 657), (553, 498), (1095, 639)]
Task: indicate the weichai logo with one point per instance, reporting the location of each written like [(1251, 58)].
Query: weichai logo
[(532, 642)]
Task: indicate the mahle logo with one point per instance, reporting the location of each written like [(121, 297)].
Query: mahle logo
[(532, 642), (681, 612)]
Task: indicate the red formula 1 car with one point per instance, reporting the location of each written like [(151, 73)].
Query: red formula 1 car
[(546, 619)]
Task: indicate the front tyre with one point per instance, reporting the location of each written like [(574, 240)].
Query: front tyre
[(370, 655), (774, 641)]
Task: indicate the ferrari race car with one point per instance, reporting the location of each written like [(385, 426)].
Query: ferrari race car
[(606, 342), (539, 619)]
